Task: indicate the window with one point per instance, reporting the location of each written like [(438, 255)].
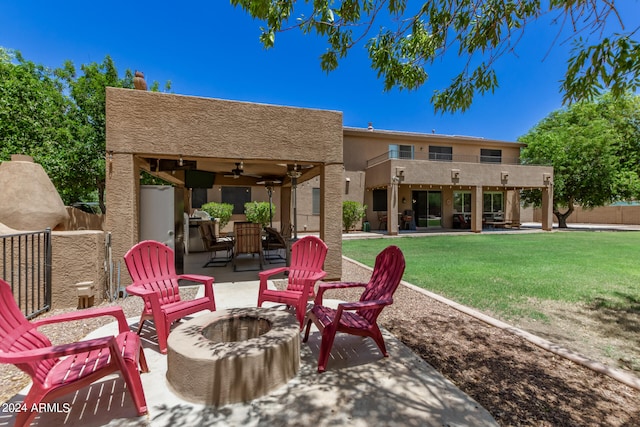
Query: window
[(440, 153), (237, 196), (198, 197), (400, 151), (462, 202), (315, 201), (493, 205), (379, 200), (490, 156)]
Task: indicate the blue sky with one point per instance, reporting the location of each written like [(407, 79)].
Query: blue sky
[(210, 49)]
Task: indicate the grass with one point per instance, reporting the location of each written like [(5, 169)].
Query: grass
[(510, 274)]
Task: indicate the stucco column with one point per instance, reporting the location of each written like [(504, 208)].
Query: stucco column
[(122, 201), (512, 207), (476, 209), (547, 207), (331, 177), (392, 207)]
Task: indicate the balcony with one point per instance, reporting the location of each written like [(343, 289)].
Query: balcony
[(456, 171), (441, 157)]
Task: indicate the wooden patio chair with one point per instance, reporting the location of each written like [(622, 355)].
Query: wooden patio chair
[(247, 240), (274, 242), (307, 260), (382, 220), (213, 245), (61, 369), (151, 266), (358, 318)]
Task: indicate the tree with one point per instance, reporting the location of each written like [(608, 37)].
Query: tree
[(352, 212), (34, 117), (58, 118), (89, 96), (411, 39), (259, 212), (594, 148)]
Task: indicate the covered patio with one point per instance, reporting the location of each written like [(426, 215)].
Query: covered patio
[(170, 135)]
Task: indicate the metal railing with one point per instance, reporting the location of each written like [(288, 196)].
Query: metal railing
[(25, 263), (442, 157)]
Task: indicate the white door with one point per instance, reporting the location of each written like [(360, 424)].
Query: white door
[(157, 218)]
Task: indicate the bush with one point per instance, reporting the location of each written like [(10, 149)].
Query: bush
[(352, 213), (222, 211), (258, 212)]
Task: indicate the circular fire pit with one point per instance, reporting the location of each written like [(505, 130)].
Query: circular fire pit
[(234, 355)]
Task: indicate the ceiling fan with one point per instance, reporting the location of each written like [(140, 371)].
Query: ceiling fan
[(238, 171)]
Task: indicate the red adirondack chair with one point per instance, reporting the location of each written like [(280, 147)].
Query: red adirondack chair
[(307, 260), (358, 318), (151, 266), (87, 361)]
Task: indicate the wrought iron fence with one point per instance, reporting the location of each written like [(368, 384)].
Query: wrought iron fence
[(25, 263)]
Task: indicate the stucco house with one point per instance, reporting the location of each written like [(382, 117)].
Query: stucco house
[(424, 181), (314, 163)]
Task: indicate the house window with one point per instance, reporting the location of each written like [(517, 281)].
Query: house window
[(462, 202), (404, 152), (237, 196), (440, 153), (315, 201), (198, 197), (493, 205), (490, 156), (379, 200)]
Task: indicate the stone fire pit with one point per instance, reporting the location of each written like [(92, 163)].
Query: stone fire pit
[(233, 355)]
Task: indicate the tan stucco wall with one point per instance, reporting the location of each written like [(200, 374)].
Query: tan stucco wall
[(28, 198), (77, 256), (158, 123), (361, 145), (602, 215), (122, 201), (80, 220), (147, 123)]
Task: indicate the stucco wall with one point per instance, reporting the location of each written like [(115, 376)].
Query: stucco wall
[(361, 145), (158, 123), (77, 256), (602, 215), (80, 220)]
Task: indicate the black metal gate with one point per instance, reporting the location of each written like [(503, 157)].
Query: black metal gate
[(25, 263)]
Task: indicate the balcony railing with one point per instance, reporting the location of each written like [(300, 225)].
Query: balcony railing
[(445, 157)]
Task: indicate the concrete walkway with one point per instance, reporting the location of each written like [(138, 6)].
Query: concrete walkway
[(359, 388)]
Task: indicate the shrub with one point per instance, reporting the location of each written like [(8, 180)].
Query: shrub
[(352, 212), (258, 212), (222, 211)]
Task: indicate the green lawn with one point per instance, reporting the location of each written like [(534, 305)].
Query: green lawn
[(508, 274)]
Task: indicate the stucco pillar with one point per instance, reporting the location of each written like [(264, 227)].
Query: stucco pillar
[(122, 201), (331, 177), (476, 209), (547, 207), (392, 207), (512, 208)]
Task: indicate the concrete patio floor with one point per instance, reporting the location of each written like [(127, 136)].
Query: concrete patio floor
[(359, 388)]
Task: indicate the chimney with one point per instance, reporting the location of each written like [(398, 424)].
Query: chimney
[(370, 127), (138, 81)]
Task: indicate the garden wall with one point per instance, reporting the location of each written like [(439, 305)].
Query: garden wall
[(77, 256), (602, 215)]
